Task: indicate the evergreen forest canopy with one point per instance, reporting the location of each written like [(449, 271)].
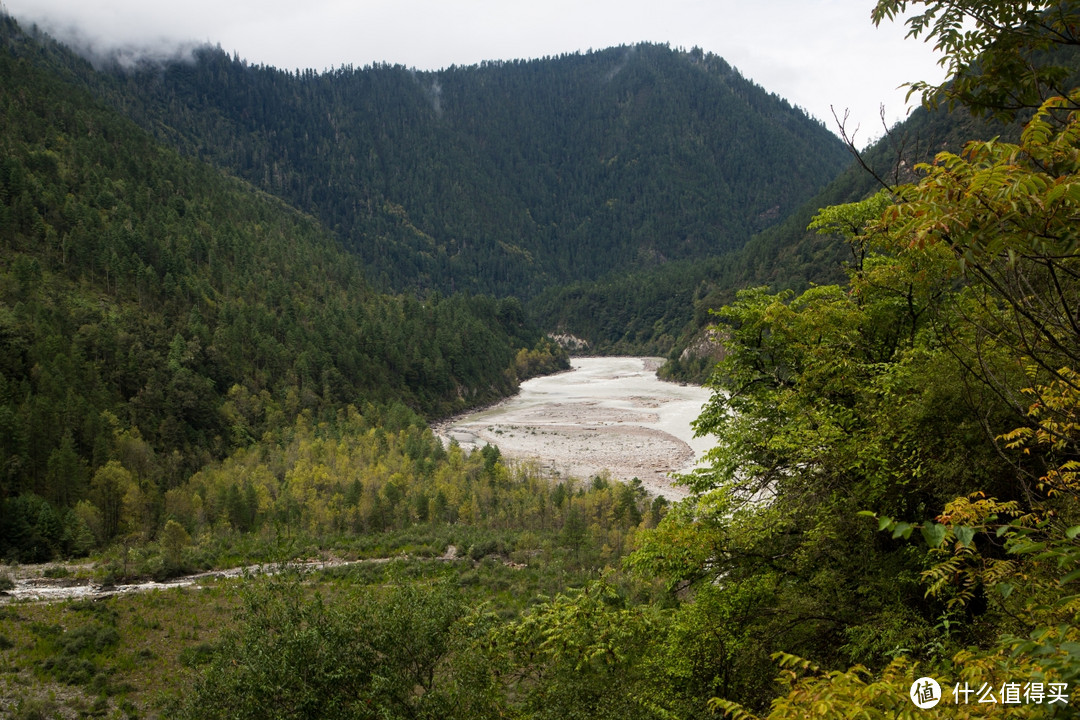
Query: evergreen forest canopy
[(505, 178)]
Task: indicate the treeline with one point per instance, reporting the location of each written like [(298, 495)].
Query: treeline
[(324, 484), (148, 301), (645, 312), (503, 178)]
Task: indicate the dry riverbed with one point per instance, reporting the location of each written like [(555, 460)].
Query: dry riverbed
[(606, 413), (74, 581)]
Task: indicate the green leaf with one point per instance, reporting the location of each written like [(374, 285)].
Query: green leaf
[(1065, 600), (1070, 647), (1072, 532), (1070, 577), (1005, 589), (883, 523), (1026, 547), (902, 528), (965, 535), (934, 534)]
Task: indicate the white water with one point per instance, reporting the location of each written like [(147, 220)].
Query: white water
[(606, 413)]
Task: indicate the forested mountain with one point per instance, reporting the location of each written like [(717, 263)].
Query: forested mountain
[(156, 311), (791, 255), (505, 178)]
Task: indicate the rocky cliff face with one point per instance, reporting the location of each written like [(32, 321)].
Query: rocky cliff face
[(708, 344)]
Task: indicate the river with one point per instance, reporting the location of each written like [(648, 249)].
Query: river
[(606, 413)]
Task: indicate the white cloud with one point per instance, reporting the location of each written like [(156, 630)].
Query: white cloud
[(816, 53)]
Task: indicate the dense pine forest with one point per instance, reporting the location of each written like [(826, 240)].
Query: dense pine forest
[(509, 178), (504, 178), (209, 360)]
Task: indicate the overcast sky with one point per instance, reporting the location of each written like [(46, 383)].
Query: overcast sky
[(819, 54)]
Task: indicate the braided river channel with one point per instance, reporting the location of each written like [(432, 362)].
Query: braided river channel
[(605, 413)]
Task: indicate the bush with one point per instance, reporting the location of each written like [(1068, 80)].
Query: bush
[(481, 550), (74, 656), (367, 654)]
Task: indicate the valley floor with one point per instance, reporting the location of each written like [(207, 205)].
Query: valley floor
[(607, 413)]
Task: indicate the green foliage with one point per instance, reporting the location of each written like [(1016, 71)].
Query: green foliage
[(34, 530), (1006, 211), (579, 655), (851, 219), (174, 538), (359, 477), (363, 655), (546, 358), (642, 312), (998, 559), (824, 405), (79, 654)]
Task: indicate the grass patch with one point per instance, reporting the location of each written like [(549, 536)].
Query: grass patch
[(198, 654), (56, 572)]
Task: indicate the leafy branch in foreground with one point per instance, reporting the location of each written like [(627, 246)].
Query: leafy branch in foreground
[(1002, 564), (1023, 562), (1000, 56)]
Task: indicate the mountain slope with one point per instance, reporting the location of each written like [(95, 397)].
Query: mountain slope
[(505, 177), (155, 310), (664, 310)]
